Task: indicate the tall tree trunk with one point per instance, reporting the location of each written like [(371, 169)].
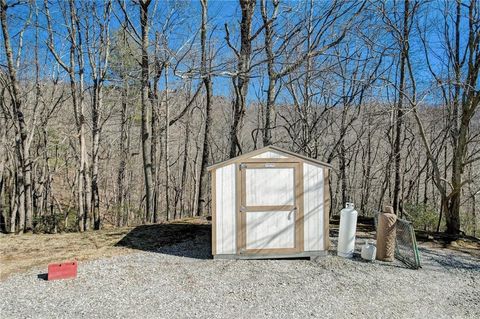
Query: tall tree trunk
[(156, 159), (85, 186), (14, 201), (76, 53), (183, 178), (366, 180), (98, 59), (21, 146), (96, 106), (399, 118), (242, 78), (154, 148), (207, 82), (272, 76), (3, 188), (343, 173), (121, 220), (146, 138), (167, 150), (452, 214)]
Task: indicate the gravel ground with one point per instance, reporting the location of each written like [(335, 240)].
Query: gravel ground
[(181, 281)]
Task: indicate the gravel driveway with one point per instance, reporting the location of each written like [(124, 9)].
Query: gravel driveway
[(182, 282)]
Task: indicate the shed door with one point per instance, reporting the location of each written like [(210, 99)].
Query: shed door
[(270, 217)]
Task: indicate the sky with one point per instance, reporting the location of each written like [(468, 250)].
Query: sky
[(183, 27)]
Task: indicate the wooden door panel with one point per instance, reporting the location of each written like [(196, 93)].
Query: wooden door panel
[(270, 230), (269, 187), (269, 211)]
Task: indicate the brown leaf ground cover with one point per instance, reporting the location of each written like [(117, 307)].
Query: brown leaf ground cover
[(23, 252), (20, 253)]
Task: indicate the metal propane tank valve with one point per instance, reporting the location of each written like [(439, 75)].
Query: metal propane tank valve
[(346, 234)]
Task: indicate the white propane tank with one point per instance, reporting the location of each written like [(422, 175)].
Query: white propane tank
[(346, 234), (369, 251)]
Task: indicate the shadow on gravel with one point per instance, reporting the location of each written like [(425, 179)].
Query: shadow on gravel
[(194, 240), (42, 276), (449, 259)]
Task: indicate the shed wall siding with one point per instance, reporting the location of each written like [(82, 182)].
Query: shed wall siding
[(313, 207), (270, 154), (225, 210)]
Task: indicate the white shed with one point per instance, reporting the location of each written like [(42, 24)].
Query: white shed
[(270, 203)]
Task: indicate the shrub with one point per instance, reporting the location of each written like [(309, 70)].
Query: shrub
[(422, 216)]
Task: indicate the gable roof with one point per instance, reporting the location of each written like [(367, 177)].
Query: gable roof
[(266, 149)]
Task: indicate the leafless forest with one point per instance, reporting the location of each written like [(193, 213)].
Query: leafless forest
[(111, 111)]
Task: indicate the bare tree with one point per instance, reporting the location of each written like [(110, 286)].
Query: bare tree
[(22, 136), (207, 82), (359, 84), (317, 44), (241, 78), (461, 105), (146, 137), (400, 31), (98, 51), (74, 66)]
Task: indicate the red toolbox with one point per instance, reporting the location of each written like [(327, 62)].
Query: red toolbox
[(63, 270)]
